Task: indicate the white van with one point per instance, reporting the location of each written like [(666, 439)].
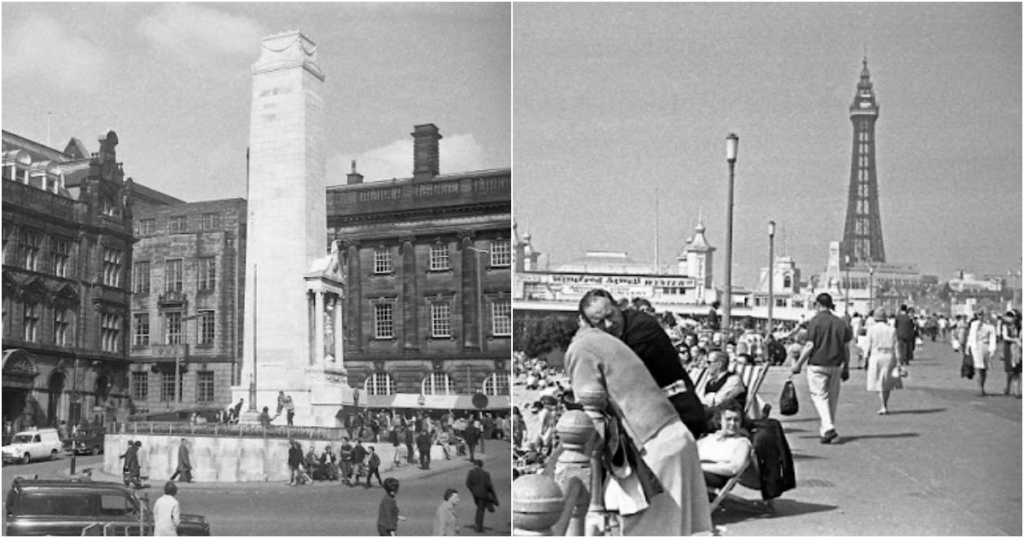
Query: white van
[(33, 444)]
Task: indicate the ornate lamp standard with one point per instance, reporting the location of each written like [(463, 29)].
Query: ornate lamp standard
[(732, 143), (871, 287), (771, 276)]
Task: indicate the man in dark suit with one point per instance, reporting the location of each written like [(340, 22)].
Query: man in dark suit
[(478, 481), (906, 333), (645, 337)]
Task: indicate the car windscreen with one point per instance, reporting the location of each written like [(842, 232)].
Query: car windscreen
[(22, 438)]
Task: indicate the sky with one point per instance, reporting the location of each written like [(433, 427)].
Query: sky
[(621, 114), (174, 81)]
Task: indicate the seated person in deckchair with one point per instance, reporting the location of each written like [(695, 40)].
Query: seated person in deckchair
[(726, 452)]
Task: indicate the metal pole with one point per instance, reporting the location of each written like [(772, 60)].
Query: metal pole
[(871, 288), (727, 314), (846, 284), (771, 278)]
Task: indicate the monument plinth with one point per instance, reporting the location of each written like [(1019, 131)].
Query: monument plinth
[(292, 289)]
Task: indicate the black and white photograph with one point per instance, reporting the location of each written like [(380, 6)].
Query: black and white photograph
[(769, 255), (257, 269)]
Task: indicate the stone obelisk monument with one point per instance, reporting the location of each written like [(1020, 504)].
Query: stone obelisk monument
[(287, 234)]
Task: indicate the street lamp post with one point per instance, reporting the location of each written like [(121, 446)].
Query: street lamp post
[(846, 282), (871, 287), (732, 143), (771, 276)]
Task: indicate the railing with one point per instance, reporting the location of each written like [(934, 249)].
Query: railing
[(228, 430), (565, 504)]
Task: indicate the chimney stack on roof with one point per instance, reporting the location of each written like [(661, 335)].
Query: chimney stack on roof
[(426, 163), (354, 178)]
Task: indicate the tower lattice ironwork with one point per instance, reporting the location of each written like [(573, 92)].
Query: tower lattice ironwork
[(862, 239)]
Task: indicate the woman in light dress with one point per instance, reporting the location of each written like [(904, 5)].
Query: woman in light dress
[(981, 341), (881, 355)]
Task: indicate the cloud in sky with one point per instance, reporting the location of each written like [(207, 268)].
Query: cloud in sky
[(196, 31), (459, 153), (39, 46)]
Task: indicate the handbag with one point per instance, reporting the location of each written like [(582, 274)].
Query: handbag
[(967, 367), (899, 372), (788, 404)]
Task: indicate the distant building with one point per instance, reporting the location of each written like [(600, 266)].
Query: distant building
[(428, 306), (970, 293), (187, 303), (67, 247)]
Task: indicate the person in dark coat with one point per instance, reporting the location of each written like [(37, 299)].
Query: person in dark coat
[(387, 514), (472, 436), (184, 463), (423, 444), (358, 458), (478, 481), (294, 461), (409, 440), (906, 335), (645, 337), (131, 466)]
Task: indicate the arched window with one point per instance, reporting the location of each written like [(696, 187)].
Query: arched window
[(497, 384), (379, 384), (787, 281), (439, 384)]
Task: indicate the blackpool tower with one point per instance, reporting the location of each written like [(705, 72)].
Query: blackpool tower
[(862, 239)]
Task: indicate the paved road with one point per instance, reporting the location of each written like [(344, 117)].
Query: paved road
[(944, 462), (273, 509)]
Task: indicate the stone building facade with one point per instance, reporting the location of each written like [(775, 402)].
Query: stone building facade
[(67, 250), (428, 267), (187, 303)]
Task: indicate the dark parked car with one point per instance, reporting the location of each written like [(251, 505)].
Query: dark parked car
[(86, 441), (84, 508)]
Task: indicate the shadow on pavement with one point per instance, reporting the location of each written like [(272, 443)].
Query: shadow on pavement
[(843, 439), (919, 411), (733, 513), (797, 456)]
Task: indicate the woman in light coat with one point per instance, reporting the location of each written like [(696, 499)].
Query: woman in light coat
[(981, 341), (881, 357)]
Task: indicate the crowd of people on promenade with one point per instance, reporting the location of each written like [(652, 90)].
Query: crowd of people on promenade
[(683, 439)]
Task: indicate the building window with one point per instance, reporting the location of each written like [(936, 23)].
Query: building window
[(209, 221), (172, 328), (111, 267), (501, 318), (140, 330), (207, 273), (439, 260), (787, 281), (61, 325), (174, 275), (379, 384), (31, 321), (60, 256), (28, 245), (140, 386), (384, 320), (145, 227), (438, 383), (207, 326), (178, 224), (140, 277), (204, 387), (441, 320), (167, 387), (110, 332), (501, 254), (382, 263), (497, 384)]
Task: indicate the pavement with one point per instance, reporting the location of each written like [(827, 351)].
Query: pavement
[(943, 462)]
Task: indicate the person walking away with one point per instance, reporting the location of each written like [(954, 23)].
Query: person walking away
[(906, 334), (828, 358), (423, 444), (131, 466), (478, 482), (294, 462), (446, 523), (373, 467), (981, 341), (882, 361), (409, 441), (1011, 352), (471, 435), (167, 512), (184, 468), (387, 515), (856, 325)]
